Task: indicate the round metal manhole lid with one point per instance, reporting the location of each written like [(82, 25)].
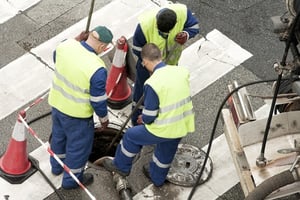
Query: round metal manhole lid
[(187, 164)]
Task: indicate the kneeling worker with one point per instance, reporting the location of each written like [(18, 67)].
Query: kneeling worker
[(167, 116)]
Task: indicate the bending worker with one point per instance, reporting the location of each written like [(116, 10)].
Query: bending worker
[(168, 28), (78, 89), (166, 117)]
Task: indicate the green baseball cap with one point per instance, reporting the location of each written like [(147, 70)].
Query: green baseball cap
[(104, 33)]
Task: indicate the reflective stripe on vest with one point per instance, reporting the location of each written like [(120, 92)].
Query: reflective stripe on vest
[(149, 28), (74, 67), (175, 116)]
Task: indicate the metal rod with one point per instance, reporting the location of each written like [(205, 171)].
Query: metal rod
[(125, 123), (90, 16)]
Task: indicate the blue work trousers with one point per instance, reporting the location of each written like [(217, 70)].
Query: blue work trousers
[(72, 140), (132, 142)]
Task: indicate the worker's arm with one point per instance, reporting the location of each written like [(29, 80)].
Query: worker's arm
[(191, 25), (139, 41), (98, 94), (151, 105)]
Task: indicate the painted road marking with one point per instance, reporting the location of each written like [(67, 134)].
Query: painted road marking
[(36, 75), (9, 9), (211, 58)]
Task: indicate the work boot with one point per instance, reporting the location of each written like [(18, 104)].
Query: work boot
[(87, 179), (109, 165), (56, 173), (146, 172)]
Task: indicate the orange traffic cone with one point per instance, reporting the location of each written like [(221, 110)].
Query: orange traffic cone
[(117, 87), (14, 164)]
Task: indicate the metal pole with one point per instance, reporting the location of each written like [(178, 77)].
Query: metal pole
[(125, 123), (90, 16)]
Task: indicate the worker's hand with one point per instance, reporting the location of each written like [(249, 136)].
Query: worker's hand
[(140, 120), (104, 123), (181, 37), (82, 36)]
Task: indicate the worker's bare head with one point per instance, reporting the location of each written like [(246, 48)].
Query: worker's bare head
[(99, 38), (151, 55), (166, 20)]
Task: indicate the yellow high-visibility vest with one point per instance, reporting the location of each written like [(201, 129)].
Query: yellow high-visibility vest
[(71, 81), (175, 115), (149, 27)]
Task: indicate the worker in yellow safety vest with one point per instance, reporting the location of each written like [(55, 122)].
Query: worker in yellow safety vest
[(169, 28), (78, 90), (167, 116)]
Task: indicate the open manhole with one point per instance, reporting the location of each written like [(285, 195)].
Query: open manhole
[(187, 164), (102, 140)]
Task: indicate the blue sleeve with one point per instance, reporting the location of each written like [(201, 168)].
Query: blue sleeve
[(139, 41), (151, 103), (97, 89), (191, 25)]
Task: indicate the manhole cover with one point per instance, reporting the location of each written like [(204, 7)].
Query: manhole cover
[(187, 164)]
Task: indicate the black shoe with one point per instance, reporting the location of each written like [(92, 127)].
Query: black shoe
[(57, 174), (146, 171), (108, 164), (87, 179)]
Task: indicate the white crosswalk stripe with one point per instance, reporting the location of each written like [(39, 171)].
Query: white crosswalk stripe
[(9, 9)]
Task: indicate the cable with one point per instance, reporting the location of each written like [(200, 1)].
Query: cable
[(261, 160), (215, 126), (39, 117), (36, 165)]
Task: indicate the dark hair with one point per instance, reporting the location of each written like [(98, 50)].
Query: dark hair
[(166, 20), (151, 52)]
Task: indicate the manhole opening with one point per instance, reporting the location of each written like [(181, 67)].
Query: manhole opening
[(102, 140), (187, 164)]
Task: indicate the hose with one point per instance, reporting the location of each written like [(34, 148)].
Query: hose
[(214, 129), (39, 117), (122, 187), (125, 195), (261, 160), (36, 165), (35, 162), (271, 184)]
